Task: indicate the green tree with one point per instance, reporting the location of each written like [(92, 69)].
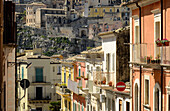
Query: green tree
[(55, 106)]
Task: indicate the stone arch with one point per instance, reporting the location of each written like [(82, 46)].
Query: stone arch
[(157, 97), (136, 95), (83, 33)]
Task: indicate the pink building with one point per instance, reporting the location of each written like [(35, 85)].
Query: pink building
[(150, 61), (79, 102)]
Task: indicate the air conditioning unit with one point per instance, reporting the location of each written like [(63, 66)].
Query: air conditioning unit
[(102, 98)]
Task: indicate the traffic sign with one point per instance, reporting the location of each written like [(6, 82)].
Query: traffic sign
[(121, 86), (24, 83)]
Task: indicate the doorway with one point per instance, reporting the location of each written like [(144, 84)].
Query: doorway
[(38, 93)]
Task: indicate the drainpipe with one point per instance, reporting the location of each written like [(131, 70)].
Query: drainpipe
[(161, 66), (140, 49)]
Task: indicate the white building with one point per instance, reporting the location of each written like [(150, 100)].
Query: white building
[(43, 73)]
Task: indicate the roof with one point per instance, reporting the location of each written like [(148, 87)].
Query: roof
[(37, 3), (93, 50), (24, 58), (115, 31)]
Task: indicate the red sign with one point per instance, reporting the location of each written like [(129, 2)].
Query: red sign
[(121, 86)]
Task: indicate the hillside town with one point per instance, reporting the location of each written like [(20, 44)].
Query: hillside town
[(84, 55)]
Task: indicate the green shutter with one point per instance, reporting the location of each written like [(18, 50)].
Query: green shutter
[(39, 74), (22, 72), (64, 77), (79, 72)]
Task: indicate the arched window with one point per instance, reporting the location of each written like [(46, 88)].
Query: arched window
[(136, 97), (157, 97)]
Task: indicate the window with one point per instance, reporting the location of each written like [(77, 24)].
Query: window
[(108, 62), (64, 75), (65, 102), (53, 68), (120, 105), (23, 105), (69, 106), (109, 104), (22, 72), (136, 97), (146, 92), (79, 105), (59, 69), (117, 10), (157, 99), (82, 106), (39, 74), (113, 62), (157, 36), (99, 1), (169, 103), (79, 71), (127, 106), (137, 39), (70, 74)]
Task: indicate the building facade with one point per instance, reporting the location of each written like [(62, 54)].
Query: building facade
[(149, 60), (8, 99), (43, 73)]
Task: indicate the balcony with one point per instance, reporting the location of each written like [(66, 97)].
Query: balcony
[(75, 87), (92, 88), (62, 89), (101, 78), (150, 55), (165, 56), (39, 79), (32, 98)]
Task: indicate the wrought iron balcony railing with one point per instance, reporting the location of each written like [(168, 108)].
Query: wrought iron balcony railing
[(39, 79), (102, 78), (33, 96), (62, 89), (150, 54)]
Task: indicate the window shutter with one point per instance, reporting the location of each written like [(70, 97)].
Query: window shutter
[(113, 62)]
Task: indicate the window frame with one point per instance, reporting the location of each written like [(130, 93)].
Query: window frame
[(146, 77)]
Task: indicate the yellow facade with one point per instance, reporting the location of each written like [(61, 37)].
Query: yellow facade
[(67, 69), (100, 11)]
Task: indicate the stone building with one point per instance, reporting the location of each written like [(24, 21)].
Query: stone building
[(43, 73), (7, 57), (150, 60), (31, 12)]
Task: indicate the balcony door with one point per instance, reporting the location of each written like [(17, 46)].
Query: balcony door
[(39, 74), (38, 93)]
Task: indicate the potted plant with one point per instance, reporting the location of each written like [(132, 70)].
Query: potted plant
[(82, 76), (158, 42), (78, 78), (149, 59), (85, 78), (56, 84), (110, 83), (103, 82), (165, 42)]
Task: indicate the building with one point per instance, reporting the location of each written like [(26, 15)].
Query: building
[(149, 60), (67, 73), (39, 16), (94, 58), (31, 12), (8, 100), (43, 73)]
